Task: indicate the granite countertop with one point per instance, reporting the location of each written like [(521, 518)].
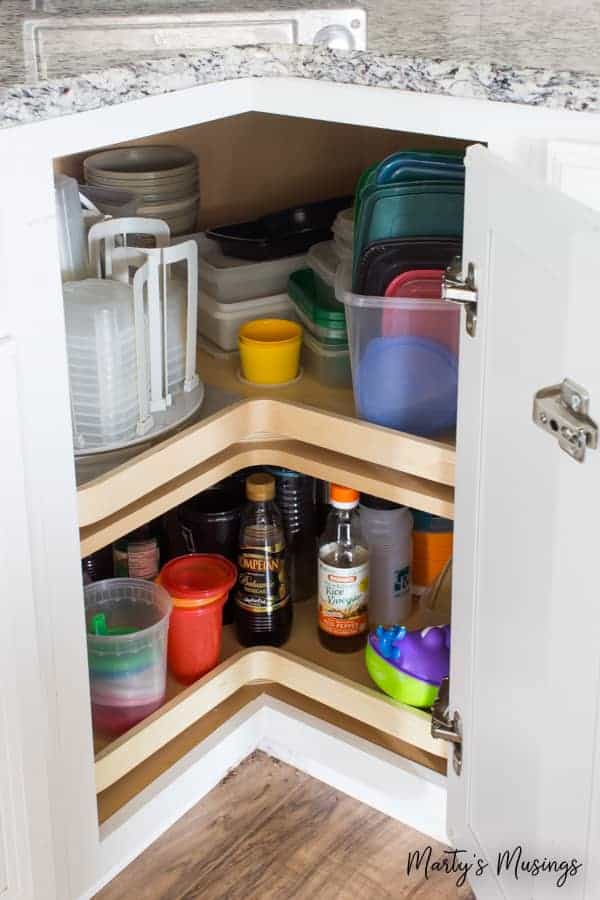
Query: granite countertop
[(543, 53)]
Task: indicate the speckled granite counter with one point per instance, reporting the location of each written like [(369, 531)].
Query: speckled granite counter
[(483, 49)]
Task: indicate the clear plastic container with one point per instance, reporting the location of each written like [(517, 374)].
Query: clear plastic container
[(407, 377), (127, 621), (102, 361), (343, 233), (71, 231), (324, 261), (232, 280), (328, 365), (220, 322)]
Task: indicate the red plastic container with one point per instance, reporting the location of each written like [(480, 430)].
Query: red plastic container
[(198, 584)]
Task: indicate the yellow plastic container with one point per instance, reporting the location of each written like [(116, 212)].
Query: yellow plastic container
[(270, 350)]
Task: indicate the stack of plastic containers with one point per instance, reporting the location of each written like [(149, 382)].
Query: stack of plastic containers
[(102, 361), (235, 291), (244, 268), (403, 339), (325, 352), (127, 622), (343, 233)]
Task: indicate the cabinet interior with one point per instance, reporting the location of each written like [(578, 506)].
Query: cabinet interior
[(250, 165)]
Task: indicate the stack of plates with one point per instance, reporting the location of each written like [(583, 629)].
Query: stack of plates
[(164, 180)]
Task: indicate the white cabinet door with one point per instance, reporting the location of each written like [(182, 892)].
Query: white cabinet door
[(525, 674), (26, 853)]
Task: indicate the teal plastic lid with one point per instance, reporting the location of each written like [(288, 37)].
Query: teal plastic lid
[(316, 300)]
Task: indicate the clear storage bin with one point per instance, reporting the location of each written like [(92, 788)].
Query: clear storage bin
[(127, 621), (220, 322), (404, 356), (327, 364), (231, 280)]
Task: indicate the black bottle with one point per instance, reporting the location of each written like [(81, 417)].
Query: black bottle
[(262, 598)]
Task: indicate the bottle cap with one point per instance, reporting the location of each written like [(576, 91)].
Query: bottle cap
[(340, 494), (260, 487)]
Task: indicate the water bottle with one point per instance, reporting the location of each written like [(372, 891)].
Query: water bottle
[(388, 531)]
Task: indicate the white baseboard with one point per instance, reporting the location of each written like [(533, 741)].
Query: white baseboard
[(389, 783), (401, 789)]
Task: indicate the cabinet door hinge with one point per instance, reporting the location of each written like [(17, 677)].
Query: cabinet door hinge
[(562, 411), (456, 289), (446, 727)]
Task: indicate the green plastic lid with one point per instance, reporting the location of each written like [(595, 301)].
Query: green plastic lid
[(317, 302)]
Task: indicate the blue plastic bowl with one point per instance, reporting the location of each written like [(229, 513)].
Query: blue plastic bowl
[(408, 383)]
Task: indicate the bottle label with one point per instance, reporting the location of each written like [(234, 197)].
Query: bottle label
[(262, 579), (140, 560), (343, 599), (401, 581)]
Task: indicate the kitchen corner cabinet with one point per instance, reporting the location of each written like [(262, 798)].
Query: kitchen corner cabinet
[(525, 618)]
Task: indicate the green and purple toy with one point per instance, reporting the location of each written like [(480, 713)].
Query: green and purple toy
[(409, 665)]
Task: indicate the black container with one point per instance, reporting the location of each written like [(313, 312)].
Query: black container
[(382, 261), (210, 523), (98, 565), (280, 234), (295, 498)]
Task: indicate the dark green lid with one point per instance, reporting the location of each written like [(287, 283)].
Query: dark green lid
[(318, 303)]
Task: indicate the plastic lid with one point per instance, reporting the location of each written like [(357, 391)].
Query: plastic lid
[(340, 494), (260, 487), (372, 502), (197, 578)]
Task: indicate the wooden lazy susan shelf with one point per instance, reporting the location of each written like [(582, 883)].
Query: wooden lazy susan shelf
[(339, 682), (306, 426)]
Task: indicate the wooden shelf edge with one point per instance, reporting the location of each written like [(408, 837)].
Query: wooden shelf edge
[(248, 666), (253, 419), (328, 465)]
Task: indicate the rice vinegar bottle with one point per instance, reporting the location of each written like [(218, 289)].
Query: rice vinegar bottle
[(343, 575)]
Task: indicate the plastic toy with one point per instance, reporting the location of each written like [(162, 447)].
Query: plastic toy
[(409, 665)]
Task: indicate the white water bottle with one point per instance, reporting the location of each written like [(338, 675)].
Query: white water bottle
[(388, 531)]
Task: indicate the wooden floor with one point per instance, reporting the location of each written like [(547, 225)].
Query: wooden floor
[(270, 832)]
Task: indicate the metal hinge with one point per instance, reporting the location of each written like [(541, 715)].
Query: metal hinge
[(446, 728), (456, 289), (562, 411)]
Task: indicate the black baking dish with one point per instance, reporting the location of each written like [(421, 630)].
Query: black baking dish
[(280, 234)]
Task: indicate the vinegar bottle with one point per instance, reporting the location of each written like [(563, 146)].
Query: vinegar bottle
[(263, 608), (343, 575)]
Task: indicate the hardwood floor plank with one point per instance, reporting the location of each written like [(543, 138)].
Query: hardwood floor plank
[(270, 832)]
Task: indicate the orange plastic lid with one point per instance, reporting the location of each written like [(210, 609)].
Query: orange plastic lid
[(197, 578), (342, 494)]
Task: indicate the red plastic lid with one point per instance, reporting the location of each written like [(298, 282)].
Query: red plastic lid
[(423, 284), (198, 578)]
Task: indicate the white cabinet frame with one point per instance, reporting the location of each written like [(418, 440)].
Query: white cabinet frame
[(31, 309)]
